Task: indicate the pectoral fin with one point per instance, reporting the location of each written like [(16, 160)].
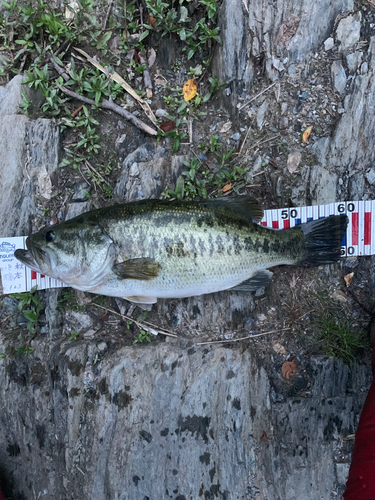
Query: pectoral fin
[(259, 280), (137, 269)]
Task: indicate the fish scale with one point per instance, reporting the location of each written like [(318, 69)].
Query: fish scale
[(190, 250)]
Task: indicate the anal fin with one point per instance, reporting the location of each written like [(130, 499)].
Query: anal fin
[(260, 280), (142, 301)]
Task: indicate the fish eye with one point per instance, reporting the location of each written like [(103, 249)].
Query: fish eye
[(50, 235)]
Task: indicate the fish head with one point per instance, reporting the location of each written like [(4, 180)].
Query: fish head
[(77, 252)]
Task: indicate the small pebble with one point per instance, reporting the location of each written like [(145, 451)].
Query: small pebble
[(236, 136), (161, 113)]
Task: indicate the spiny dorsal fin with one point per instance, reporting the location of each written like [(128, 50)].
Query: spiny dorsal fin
[(137, 269), (243, 205), (259, 280)]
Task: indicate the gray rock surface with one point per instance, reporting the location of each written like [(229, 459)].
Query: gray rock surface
[(263, 32), (348, 30), (338, 76), (356, 127), (167, 421), (146, 171), (353, 60), (27, 146)]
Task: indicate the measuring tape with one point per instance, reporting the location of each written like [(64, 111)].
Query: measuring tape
[(359, 240)]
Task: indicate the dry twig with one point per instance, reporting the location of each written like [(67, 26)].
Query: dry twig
[(145, 325), (107, 15), (256, 97), (242, 338), (113, 107), (118, 79)]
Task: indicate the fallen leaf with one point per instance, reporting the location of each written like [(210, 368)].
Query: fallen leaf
[(294, 159), (348, 279), (289, 368), (273, 163), (160, 81), (227, 126), (227, 187), (306, 134), (264, 437), (167, 126), (71, 9), (152, 21), (279, 348), (190, 89), (340, 296), (151, 57)]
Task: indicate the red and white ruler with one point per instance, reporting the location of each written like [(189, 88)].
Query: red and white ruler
[(359, 240)]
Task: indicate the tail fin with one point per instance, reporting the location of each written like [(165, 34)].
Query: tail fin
[(323, 239)]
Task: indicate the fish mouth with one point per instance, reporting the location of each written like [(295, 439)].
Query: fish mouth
[(26, 258)]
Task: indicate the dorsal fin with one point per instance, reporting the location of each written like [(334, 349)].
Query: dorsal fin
[(243, 205)]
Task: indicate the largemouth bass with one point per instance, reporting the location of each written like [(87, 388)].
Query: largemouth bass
[(154, 249)]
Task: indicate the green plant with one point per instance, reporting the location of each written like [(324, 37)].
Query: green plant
[(73, 335), (176, 20), (211, 6), (68, 302), (25, 104), (337, 337), (139, 68), (143, 335), (177, 136), (30, 306), (201, 181), (334, 333), (25, 350)]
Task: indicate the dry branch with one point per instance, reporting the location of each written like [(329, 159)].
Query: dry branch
[(112, 107), (118, 79)]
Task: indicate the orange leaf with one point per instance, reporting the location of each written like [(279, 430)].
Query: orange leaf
[(167, 126), (190, 89), (348, 279), (289, 368), (152, 21), (227, 187), (306, 134)]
